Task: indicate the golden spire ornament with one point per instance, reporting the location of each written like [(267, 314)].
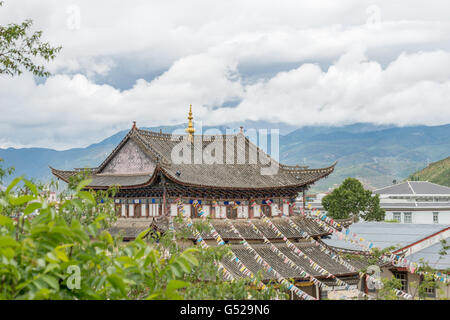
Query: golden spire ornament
[(190, 129)]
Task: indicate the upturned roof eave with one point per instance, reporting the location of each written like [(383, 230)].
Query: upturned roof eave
[(166, 173)]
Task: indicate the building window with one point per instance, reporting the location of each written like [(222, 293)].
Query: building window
[(435, 217), (407, 217), (137, 210), (431, 292), (231, 212), (397, 216), (403, 277), (266, 209)]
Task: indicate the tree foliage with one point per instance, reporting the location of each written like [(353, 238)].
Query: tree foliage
[(350, 199), (66, 252), (21, 49)]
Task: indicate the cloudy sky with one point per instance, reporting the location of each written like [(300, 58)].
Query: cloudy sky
[(295, 62)]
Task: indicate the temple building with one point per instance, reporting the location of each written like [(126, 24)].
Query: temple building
[(227, 174), (162, 175)]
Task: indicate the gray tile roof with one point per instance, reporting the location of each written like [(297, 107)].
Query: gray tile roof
[(159, 147), (130, 228), (414, 188), (244, 228), (384, 234), (277, 262), (432, 256)]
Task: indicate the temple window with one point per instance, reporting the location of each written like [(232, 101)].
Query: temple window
[(231, 212), (266, 209)]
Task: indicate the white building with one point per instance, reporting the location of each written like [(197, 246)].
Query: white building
[(416, 202), (415, 242), (409, 202)]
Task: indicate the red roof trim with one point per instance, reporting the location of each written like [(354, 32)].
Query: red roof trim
[(421, 240)]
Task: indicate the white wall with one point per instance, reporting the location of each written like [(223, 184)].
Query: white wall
[(256, 212), (245, 211), (285, 209), (153, 209), (425, 217), (187, 210), (274, 208), (173, 210), (206, 210), (223, 212)]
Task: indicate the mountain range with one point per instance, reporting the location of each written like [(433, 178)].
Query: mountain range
[(375, 154), (436, 172)]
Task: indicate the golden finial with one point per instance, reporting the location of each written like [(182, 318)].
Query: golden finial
[(190, 129)]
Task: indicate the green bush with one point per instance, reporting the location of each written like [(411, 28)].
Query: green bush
[(66, 252)]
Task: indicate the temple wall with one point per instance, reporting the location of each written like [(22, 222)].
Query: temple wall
[(245, 212), (130, 159), (153, 209), (256, 212), (187, 210), (145, 208), (223, 212), (274, 208), (206, 210), (173, 210), (285, 209), (240, 212)]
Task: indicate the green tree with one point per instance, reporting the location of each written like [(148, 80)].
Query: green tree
[(4, 172), (350, 199), (66, 252), (21, 48)]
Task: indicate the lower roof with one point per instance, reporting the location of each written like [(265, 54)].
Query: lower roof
[(432, 255), (131, 227), (414, 188), (385, 234), (277, 262)]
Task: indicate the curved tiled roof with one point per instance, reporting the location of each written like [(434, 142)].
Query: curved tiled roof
[(240, 166), (131, 228), (242, 225), (277, 262)]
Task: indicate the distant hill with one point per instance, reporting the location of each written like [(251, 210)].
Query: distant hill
[(374, 154), (437, 172)]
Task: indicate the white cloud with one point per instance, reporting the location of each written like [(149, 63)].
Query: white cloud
[(71, 111), (335, 62)]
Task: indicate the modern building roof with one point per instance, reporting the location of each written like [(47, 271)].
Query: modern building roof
[(432, 256), (233, 170), (414, 188), (385, 234)]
